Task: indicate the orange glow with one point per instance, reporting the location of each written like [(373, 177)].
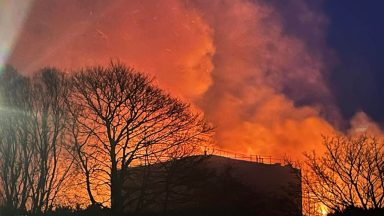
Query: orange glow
[(324, 210), (233, 60)]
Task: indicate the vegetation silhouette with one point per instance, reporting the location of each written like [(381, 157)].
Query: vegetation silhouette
[(355, 211), (348, 177), (90, 130), (89, 126)]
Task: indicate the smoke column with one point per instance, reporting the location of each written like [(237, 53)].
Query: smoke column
[(257, 69)]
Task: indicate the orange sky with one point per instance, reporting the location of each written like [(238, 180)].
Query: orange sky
[(233, 59)]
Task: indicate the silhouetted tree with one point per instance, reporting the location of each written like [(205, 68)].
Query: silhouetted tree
[(33, 159), (127, 117), (349, 174), (85, 161), (51, 162), (15, 145), (354, 211)]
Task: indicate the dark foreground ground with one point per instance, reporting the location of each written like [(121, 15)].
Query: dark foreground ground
[(97, 211), (359, 212)]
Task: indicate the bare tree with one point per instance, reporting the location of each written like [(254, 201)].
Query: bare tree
[(85, 160), (32, 136), (50, 162), (15, 148), (349, 174), (128, 117)]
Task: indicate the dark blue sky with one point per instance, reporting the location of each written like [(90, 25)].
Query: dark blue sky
[(356, 33)]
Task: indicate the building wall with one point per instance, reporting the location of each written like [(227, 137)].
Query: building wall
[(213, 185)]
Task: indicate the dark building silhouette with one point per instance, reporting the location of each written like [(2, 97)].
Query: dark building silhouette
[(213, 185)]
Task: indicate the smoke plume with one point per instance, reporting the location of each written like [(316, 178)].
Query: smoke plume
[(257, 69)]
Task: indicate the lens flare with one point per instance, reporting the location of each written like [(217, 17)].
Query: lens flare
[(12, 16)]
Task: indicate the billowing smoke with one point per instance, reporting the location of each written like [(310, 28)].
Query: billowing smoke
[(268, 90), (257, 69), (162, 38)]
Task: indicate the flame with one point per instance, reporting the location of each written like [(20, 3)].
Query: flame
[(323, 210)]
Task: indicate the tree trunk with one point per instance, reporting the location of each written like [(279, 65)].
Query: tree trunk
[(116, 189)]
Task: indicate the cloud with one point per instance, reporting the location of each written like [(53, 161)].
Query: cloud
[(257, 69), (362, 124), (163, 38), (269, 91)]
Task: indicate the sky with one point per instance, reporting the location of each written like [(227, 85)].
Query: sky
[(356, 33), (272, 76)]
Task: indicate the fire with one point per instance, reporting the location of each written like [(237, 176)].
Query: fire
[(323, 210)]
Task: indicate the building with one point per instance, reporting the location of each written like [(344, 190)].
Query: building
[(213, 185)]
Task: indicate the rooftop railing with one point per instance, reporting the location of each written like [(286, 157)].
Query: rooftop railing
[(246, 157)]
